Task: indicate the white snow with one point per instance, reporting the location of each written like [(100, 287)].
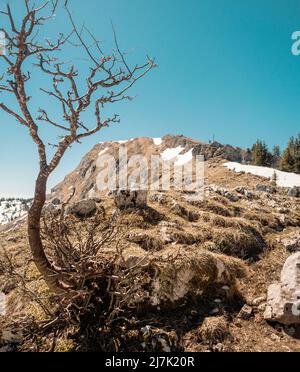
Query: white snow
[(184, 159), (157, 141), (175, 155), (284, 179), (11, 209), (122, 142), (170, 154)]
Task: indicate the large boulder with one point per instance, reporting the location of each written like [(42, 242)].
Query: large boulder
[(127, 199), (283, 304), (83, 208)]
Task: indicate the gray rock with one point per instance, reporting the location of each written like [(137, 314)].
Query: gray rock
[(160, 198), (245, 313), (6, 349), (224, 192), (245, 192), (126, 199), (51, 209), (56, 201), (294, 192), (275, 338), (283, 304), (258, 301), (84, 208), (266, 188), (292, 242)]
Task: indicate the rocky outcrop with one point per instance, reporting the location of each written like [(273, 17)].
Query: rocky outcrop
[(227, 152), (224, 192), (283, 304), (266, 188)]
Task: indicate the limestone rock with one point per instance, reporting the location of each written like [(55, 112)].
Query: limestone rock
[(224, 192), (84, 208), (126, 199), (56, 201), (294, 192), (245, 192), (266, 188), (245, 313), (283, 304), (292, 242)]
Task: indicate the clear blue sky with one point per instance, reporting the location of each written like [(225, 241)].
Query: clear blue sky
[(225, 69)]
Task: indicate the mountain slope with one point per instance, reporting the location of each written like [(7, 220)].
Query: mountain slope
[(178, 149)]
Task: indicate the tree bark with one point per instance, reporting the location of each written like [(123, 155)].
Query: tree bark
[(51, 277)]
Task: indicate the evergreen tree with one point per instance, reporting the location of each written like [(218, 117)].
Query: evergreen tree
[(276, 151), (260, 154), (274, 179), (290, 161)]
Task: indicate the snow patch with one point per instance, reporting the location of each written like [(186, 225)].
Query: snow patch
[(12, 209), (175, 155), (284, 179), (170, 154), (157, 141), (184, 159)]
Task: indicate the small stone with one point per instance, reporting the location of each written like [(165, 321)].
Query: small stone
[(6, 349), (291, 331), (215, 311), (56, 201), (258, 301), (275, 337), (245, 313), (219, 348), (262, 307)]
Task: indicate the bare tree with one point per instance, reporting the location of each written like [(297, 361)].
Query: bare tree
[(108, 79)]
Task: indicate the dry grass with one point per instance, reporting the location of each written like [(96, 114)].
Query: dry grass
[(213, 330)]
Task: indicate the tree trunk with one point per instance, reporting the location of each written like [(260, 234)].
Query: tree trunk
[(41, 261)]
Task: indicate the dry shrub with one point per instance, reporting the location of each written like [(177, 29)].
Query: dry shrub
[(146, 241), (264, 219), (215, 207), (213, 330), (243, 242)]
